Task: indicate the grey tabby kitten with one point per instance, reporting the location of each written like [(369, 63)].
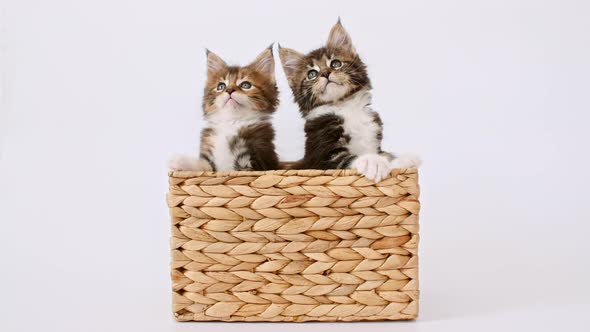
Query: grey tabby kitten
[(333, 91)]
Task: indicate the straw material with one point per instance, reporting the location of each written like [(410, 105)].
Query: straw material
[(294, 245)]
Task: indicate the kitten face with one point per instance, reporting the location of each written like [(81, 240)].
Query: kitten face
[(325, 75), (240, 90)]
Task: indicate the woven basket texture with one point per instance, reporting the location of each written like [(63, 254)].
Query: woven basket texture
[(294, 245)]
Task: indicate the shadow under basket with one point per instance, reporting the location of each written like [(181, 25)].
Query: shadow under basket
[(294, 246)]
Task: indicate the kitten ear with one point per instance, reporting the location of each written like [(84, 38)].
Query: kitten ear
[(214, 63), (265, 63), (291, 61), (339, 39)]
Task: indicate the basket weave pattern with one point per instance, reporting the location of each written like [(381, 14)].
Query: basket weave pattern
[(294, 245)]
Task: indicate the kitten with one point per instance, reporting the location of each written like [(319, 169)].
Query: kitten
[(237, 105), (333, 91)]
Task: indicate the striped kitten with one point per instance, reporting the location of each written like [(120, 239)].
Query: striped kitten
[(333, 91), (238, 103)]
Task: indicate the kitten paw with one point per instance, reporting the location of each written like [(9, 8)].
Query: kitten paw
[(181, 162), (406, 160), (372, 166)]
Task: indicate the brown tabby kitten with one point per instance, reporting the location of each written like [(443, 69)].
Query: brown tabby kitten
[(237, 104), (333, 90)]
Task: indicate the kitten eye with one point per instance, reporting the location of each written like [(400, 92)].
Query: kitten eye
[(245, 85), (220, 86), (312, 74), (335, 64)]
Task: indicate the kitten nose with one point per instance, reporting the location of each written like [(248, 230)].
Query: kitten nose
[(230, 90), (325, 74)]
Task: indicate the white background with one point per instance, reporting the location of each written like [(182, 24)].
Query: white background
[(96, 95)]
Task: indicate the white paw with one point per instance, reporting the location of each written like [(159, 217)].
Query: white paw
[(406, 160), (372, 166), (182, 162)]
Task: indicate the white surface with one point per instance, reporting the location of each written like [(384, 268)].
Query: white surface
[(98, 94)]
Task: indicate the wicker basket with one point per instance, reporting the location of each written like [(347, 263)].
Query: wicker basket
[(294, 245)]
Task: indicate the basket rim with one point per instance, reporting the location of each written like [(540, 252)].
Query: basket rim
[(284, 172)]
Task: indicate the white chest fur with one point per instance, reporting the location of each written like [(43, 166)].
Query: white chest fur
[(359, 122), (222, 154), (226, 124)]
